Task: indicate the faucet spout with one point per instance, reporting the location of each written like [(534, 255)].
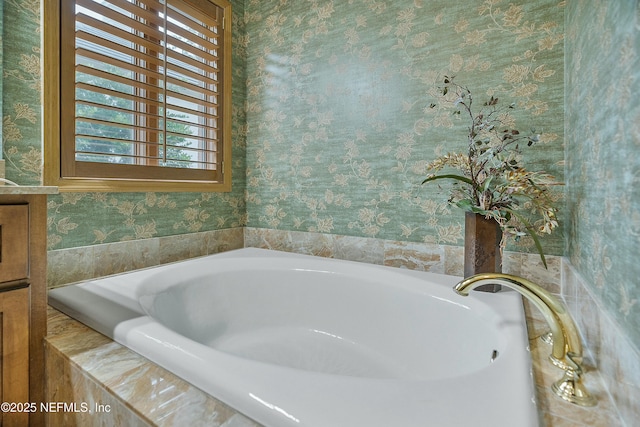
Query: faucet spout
[(566, 352)]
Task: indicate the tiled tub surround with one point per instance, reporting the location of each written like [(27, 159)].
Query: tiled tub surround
[(89, 368), (76, 264), (253, 292), (78, 353)]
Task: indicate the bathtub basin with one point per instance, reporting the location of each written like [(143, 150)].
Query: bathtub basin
[(295, 340)]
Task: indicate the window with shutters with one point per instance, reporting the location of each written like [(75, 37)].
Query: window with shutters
[(144, 95)]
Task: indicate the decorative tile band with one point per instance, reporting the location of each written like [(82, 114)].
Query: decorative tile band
[(72, 265), (415, 256), (613, 355)]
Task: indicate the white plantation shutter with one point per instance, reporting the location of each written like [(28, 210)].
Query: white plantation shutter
[(142, 89)]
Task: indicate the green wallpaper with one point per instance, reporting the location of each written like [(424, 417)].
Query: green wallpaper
[(338, 126), (80, 219), (329, 107), (22, 80), (603, 141), (1, 66)]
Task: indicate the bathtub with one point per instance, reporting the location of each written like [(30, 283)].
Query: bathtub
[(296, 340)]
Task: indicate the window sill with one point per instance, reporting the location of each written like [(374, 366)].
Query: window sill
[(67, 185)]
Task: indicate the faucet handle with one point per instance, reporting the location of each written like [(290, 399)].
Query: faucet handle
[(566, 352), (570, 386), (547, 338)]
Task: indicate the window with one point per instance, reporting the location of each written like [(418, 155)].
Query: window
[(144, 95)]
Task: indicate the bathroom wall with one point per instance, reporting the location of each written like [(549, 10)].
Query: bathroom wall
[(340, 132), (21, 84), (339, 124), (1, 68), (82, 219), (603, 167), (602, 125)]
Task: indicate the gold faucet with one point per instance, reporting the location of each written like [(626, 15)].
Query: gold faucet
[(566, 352)]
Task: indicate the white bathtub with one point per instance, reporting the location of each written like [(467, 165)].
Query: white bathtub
[(295, 340)]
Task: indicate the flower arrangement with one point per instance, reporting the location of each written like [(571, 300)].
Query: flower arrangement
[(492, 179)]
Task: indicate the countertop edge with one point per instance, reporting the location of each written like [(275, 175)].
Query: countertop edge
[(27, 189)]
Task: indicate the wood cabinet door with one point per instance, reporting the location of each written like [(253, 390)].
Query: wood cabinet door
[(14, 242), (14, 354)]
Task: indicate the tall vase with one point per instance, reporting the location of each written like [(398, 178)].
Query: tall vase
[(482, 239)]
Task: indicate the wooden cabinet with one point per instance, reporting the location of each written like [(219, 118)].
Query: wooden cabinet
[(14, 337), (14, 242), (22, 305)]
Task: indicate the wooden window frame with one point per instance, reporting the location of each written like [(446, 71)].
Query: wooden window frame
[(164, 178)]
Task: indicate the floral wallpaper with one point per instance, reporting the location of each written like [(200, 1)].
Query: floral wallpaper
[(1, 67), (603, 142), (338, 130), (81, 219), (339, 124), (21, 105)]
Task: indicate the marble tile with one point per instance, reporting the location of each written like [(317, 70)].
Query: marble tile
[(512, 263), (266, 239), (615, 358), (180, 247), (73, 265), (70, 265), (69, 384), (414, 256), (454, 260), (85, 366), (550, 278), (113, 258), (361, 249), (317, 244), (620, 366), (217, 241)]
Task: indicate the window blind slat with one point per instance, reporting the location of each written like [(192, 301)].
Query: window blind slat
[(115, 78), (203, 115), (188, 17), (194, 149), (191, 87), (206, 40), (201, 126), (97, 57), (118, 110), (143, 9), (176, 70), (81, 119), (106, 139), (119, 19), (124, 50), (137, 39), (110, 92), (105, 153), (189, 49), (173, 56)]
